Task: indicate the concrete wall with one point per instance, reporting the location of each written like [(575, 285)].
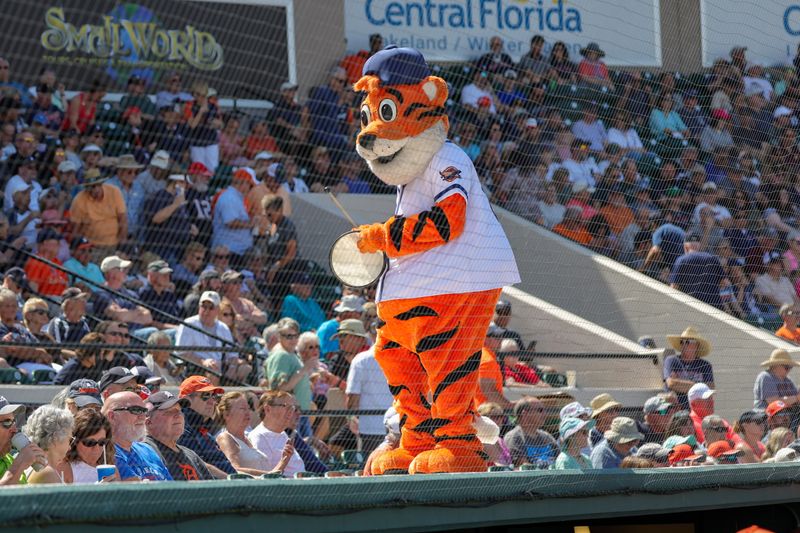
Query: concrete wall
[(680, 35), (319, 40)]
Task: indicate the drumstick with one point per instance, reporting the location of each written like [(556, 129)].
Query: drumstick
[(341, 207)]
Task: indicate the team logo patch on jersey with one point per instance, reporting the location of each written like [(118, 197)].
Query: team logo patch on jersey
[(450, 174)]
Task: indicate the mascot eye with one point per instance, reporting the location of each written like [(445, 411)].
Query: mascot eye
[(366, 116), (388, 110)]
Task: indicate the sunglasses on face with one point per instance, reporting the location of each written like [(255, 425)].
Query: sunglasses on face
[(8, 424), (91, 443), (205, 396), (686, 342), (133, 409), (287, 406), (289, 335)]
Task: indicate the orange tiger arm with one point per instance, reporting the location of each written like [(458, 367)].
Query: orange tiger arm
[(401, 236)]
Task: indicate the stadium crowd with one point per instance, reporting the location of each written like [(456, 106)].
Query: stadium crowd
[(166, 221)]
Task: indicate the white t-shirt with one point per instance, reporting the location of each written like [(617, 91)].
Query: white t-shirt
[(479, 259), (189, 337), (470, 95), (366, 378), (35, 192), (298, 187), (720, 212), (582, 171), (626, 140), (271, 444)]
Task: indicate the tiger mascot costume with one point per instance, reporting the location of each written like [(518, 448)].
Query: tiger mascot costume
[(449, 259)]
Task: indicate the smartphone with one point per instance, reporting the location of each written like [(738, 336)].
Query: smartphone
[(291, 433)]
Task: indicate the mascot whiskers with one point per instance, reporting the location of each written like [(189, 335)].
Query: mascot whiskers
[(449, 259)]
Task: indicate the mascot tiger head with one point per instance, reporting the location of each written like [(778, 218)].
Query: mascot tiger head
[(403, 120)]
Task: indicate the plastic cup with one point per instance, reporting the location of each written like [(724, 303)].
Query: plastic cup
[(103, 471)]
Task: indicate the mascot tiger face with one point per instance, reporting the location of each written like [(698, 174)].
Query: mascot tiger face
[(402, 126)]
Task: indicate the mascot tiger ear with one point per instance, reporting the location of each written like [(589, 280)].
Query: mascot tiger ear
[(367, 84), (435, 88)]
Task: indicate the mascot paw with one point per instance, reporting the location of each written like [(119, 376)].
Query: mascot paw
[(392, 462), (371, 238), (442, 460)]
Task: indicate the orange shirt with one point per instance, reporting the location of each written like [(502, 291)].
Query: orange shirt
[(354, 65), (253, 145), (790, 335), (618, 217), (101, 217), (580, 235), (489, 368), (49, 281)]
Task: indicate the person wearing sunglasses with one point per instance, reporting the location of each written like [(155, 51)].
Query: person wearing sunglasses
[(773, 384), (657, 416), (89, 446), (117, 379), (688, 367), (12, 468), (135, 460), (528, 442)]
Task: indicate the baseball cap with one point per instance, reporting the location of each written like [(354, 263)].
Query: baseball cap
[(210, 296), (48, 234), (709, 186), (163, 400), (264, 156), (302, 278), (211, 273), (73, 293), (231, 276), (194, 384), (7, 408), (720, 448), (754, 415), (199, 169), (580, 186), (775, 407), (351, 302), (245, 173), (160, 266), (693, 236), (656, 404), (116, 375), (84, 392), (654, 452), (67, 166), (18, 276), (574, 410), (679, 453), (80, 243), (18, 186), (112, 262), (288, 86), (179, 177), (700, 391), (160, 160), (771, 256), (531, 123), (145, 376), (351, 326), (91, 148)]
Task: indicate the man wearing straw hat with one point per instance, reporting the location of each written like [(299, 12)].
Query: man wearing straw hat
[(773, 383), (620, 440), (683, 370)]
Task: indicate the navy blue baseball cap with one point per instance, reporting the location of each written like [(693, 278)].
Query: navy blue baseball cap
[(397, 66)]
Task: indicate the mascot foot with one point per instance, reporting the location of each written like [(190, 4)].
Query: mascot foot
[(443, 460), (392, 462)]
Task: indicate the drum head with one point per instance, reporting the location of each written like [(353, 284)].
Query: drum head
[(353, 268)]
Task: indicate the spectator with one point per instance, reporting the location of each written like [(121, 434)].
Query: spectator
[(165, 425), (574, 436), (563, 69), (779, 415), (232, 224), (367, 389), (86, 364), (687, 368), (619, 442), (552, 212), (581, 166), (777, 439), (623, 134), (233, 414), (479, 95), (328, 111), (352, 340), (657, 416), (490, 371), (653, 452), (133, 194), (158, 358), (301, 306), (701, 405), (72, 326), (173, 92), (592, 70), (692, 115), (354, 64), (187, 272), (616, 211), (271, 176), (288, 118), (681, 425), (135, 460), (244, 308), (81, 264), (90, 446), (83, 394), (351, 172), (534, 62), (591, 130), (116, 333), (198, 435), (204, 122), (773, 383), (154, 177), (109, 305), (528, 443), (772, 289), (117, 379), (698, 273), (82, 110), (169, 133), (208, 280), (98, 213), (715, 429), (573, 227), (284, 370), (665, 122), (514, 370), (50, 428), (717, 133), (158, 294), (13, 468), (166, 220), (281, 246), (496, 61), (43, 278), (291, 173), (604, 410), (198, 202), (27, 169), (276, 408), (350, 307), (230, 140), (135, 97), (12, 331), (498, 453), (751, 429)]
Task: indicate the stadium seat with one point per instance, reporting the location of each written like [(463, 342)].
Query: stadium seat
[(271, 475), (41, 377), (353, 459), (240, 475), (500, 468), (297, 475), (10, 375)]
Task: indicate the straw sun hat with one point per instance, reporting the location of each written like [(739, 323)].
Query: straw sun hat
[(690, 333), (779, 357)]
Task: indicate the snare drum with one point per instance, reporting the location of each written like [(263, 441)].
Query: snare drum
[(353, 268)]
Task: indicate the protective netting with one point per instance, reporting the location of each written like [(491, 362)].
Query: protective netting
[(166, 174)]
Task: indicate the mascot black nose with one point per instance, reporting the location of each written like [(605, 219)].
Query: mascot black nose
[(367, 140)]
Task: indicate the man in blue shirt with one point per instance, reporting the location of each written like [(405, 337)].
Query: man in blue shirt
[(620, 440), (328, 107), (132, 191), (232, 224), (135, 460), (697, 273)]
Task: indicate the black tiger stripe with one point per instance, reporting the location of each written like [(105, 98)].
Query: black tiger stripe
[(391, 345), (422, 221), (417, 312), (403, 420), (442, 438), (442, 223), (483, 455), (379, 323), (413, 107), (470, 365), (434, 341), (397, 389), (397, 94), (424, 401), (431, 424), (437, 112), (396, 232)]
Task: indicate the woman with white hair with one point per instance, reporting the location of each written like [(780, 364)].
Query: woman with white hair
[(50, 428)]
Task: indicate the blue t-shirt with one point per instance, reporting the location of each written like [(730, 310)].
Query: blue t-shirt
[(230, 206), (326, 331), (307, 312), (142, 462), (697, 370), (699, 274)]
